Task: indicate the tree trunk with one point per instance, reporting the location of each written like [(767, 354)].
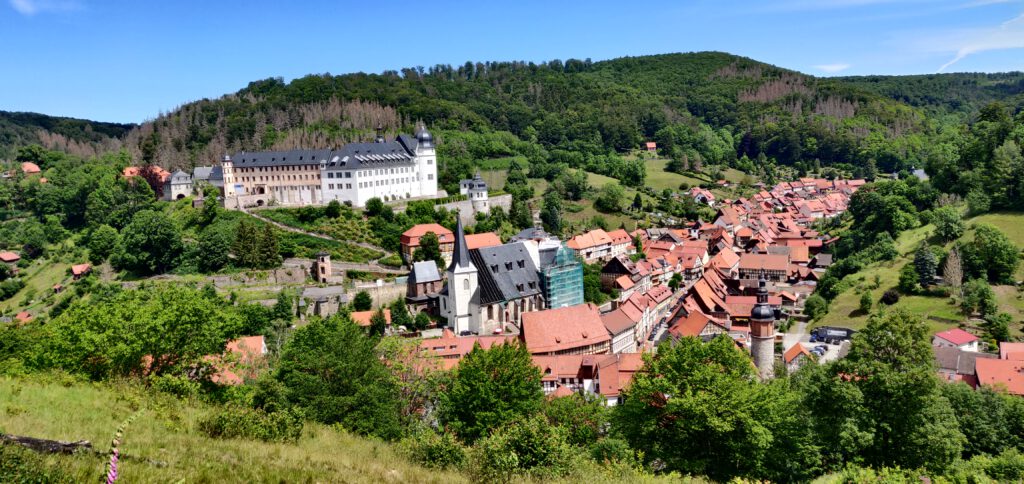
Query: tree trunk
[(46, 446)]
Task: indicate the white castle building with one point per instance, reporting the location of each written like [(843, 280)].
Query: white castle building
[(403, 168)]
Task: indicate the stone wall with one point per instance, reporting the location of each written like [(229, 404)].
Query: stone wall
[(383, 294)]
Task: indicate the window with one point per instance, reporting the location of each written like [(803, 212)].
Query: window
[(430, 161), (465, 284), (430, 176), (348, 186)]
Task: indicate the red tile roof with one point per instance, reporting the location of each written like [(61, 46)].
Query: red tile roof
[(764, 261), (362, 318), (1005, 374), (454, 347), (23, 317), (9, 257), (411, 237), (794, 351), (956, 336), (620, 236), (485, 239), (616, 371), (563, 329), (617, 321), (693, 325), (594, 238), (29, 168), (1011, 351), (79, 269), (624, 282)]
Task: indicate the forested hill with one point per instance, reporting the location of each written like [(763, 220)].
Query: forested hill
[(702, 108), (963, 93), (710, 105), (77, 136)]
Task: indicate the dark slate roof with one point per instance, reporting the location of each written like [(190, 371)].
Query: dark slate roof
[(960, 361), (532, 233), (202, 172), (500, 276), (460, 255), (179, 176), (351, 156), (425, 271)]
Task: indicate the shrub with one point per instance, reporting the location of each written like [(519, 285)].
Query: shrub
[(611, 450), (815, 306), (393, 260), (528, 447), (178, 386), (22, 466), (240, 422), (891, 297), (437, 451)]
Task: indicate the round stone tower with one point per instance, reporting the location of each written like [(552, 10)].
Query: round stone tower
[(762, 333)]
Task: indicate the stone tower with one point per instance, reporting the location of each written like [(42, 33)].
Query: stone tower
[(762, 333), (322, 268), (462, 285)]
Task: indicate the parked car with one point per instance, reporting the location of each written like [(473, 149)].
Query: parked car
[(821, 347), (814, 337)]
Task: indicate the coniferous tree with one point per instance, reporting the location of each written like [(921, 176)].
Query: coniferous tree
[(925, 263), (362, 302), (400, 314)]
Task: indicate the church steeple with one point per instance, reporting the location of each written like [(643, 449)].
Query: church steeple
[(460, 254), (762, 332)]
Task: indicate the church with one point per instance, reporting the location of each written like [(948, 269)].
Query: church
[(490, 287), (399, 169)]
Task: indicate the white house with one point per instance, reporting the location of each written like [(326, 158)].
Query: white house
[(956, 338)]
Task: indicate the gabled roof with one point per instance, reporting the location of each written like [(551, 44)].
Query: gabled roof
[(620, 236), (484, 239), (505, 272), (594, 238), (1005, 374), (795, 351), (425, 271), (412, 236), (23, 317), (29, 168), (1011, 351), (563, 329), (956, 336), (80, 269), (617, 321), (764, 261), (694, 324), (624, 282), (9, 257)]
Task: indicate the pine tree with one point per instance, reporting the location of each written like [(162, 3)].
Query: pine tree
[(400, 314), (378, 323), (925, 264), (269, 253)]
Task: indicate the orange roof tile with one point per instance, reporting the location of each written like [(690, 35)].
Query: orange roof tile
[(9, 257), (562, 329), (362, 318), (29, 168), (693, 325), (485, 239), (764, 261), (411, 237), (1005, 374), (794, 351)]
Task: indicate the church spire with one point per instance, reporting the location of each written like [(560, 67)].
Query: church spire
[(460, 256)]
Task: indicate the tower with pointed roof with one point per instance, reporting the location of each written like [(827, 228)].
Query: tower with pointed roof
[(462, 287), (426, 162), (762, 332)]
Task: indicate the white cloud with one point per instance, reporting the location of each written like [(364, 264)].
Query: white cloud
[(832, 68), (32, 7), (1008, 35)]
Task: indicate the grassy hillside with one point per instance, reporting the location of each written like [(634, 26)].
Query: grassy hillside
[(939, 313), (163, 444)]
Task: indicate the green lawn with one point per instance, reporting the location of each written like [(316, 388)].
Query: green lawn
[(843, 311), (164, 445), (40, 277)]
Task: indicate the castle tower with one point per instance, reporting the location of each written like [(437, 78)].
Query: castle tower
[(462, 285), (478, 194), (426, 162), (762, 333), (228, 171), (322, 268)]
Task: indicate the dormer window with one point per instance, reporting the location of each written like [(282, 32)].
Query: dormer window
[(494, 268), (508, 266), (521, 263)]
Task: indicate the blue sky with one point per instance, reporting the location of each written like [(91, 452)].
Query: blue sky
[(127, 61)]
